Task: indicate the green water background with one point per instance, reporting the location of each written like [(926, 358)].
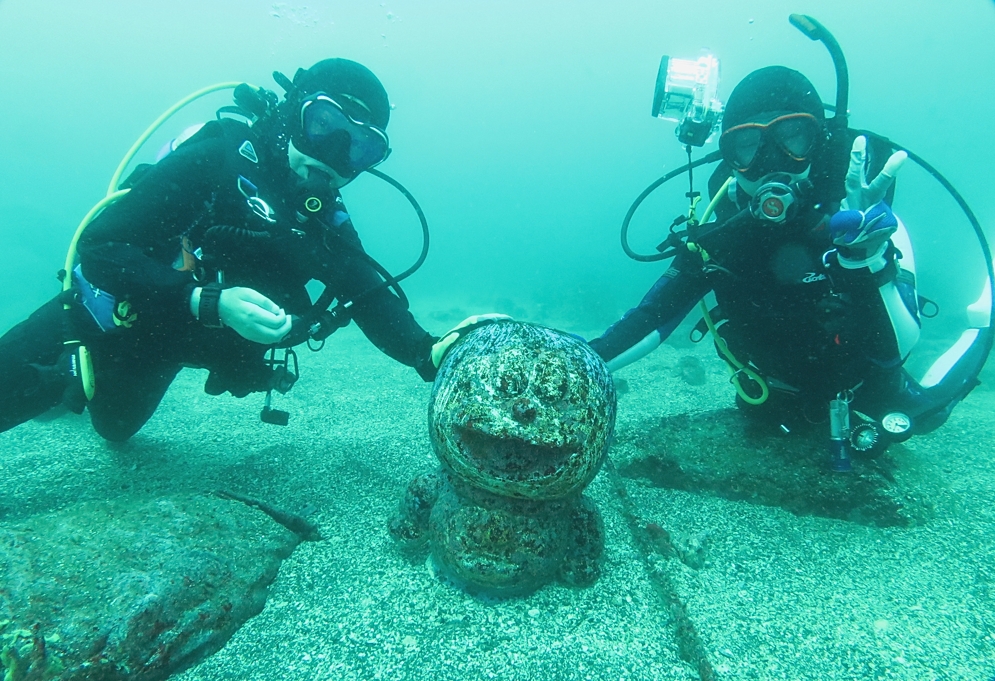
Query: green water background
[(523, 128)]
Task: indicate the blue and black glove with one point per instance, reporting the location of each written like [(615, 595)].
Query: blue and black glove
[(862, 228), (862, 237)]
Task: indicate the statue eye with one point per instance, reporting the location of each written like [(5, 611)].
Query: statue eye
[(509, 383), (551, 381)]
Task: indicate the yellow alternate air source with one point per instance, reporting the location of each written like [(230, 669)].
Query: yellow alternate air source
[(736, 368)]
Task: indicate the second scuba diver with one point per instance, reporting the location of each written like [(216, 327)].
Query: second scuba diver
[(204, 262), (813, 303)]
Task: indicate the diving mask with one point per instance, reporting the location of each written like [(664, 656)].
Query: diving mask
[(795, 134), (338, 139)]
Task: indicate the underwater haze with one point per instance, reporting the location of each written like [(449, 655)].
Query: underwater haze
[(523, 128)]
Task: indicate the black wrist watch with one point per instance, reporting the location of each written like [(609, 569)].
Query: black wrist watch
[(207, 311)]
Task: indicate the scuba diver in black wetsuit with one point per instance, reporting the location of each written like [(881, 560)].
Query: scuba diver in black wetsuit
[(814, 331), (815, 313), (204, 262)]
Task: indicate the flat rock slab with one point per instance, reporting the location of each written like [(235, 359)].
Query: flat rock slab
[(132, 588), (724, 454)]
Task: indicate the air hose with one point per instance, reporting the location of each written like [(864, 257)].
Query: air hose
[(113, 193), (736, 368), (671, 250)]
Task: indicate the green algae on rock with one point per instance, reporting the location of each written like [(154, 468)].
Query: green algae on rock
[(131, 588), (520, 418)]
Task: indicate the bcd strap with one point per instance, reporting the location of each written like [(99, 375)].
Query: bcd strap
[(104, 308), (887, 274)]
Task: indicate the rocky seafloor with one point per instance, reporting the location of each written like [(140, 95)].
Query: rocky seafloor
[(728, 556)]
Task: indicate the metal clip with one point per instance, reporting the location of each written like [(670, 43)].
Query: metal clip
[(285, 373), (256, 204), (261, 208)]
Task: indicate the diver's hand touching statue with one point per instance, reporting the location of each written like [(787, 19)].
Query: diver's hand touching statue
[(441, 347)]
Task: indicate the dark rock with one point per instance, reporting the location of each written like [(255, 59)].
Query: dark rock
[(132, 589), (691, 370), (504, 547)]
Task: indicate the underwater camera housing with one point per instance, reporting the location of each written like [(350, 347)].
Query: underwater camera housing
[(686, 94)]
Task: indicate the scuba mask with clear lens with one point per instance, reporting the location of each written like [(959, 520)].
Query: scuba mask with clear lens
[(795, 135), (335, 138)]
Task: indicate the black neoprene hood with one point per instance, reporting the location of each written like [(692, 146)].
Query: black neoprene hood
[(772, 89), (345, 77)]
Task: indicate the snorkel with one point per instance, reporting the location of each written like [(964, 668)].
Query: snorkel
[(834, 170)]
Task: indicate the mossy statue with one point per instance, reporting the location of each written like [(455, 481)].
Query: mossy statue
[(520, 419)]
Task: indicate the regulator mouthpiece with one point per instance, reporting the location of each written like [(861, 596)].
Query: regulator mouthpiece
[(775, 199), (685, 93)]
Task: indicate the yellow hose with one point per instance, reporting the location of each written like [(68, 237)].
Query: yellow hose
[(113, 194), (736, 368), (67, 281), (155, 126), (715, 200)]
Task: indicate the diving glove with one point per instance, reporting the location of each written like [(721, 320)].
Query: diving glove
[(861, 194), (861, 237), (864, 224), (440, 349), (249, 313)]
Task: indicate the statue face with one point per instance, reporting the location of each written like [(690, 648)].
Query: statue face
[(522, 411)]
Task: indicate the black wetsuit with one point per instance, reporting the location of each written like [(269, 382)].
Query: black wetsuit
[(812, 330), (201, 197)]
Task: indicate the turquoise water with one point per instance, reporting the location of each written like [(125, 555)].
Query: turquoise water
[(524, 131), (523, 128)]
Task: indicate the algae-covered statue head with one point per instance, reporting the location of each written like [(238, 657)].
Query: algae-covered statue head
[(522, 411)]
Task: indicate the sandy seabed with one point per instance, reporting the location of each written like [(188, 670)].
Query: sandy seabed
[(780, 596)]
